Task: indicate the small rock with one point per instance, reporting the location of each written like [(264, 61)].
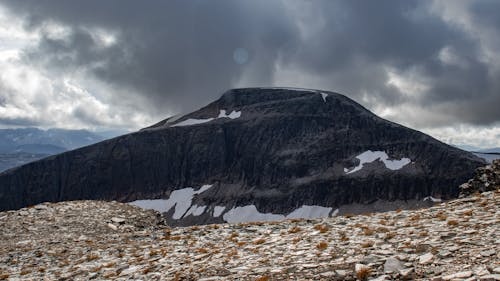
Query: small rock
[(392, 264), (112, 226), (341, 273), (463, 274), (130, 270), (381, 278), (406, 272), (487, 253), (117, 220), (490, 277), (426, 258)]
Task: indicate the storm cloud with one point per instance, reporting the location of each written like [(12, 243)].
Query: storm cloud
[(432, 65)]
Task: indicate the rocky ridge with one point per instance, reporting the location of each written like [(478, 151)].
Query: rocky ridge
[(485, 179), (95, 240)]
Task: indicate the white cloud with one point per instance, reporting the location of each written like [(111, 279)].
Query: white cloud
[(482, 137)]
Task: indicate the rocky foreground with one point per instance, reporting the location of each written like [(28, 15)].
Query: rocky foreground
[(83, 240)]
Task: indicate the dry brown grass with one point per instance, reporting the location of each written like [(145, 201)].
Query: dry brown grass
[(259, 241), (382, 229), (263, 278), (368, 231), (202, 250), (467, 213), (441, 216), (416, 217), (321, 228), (322, 245), (25, 272), (294, 229), (343, 236), (423, 234), (4, 276), (233, 253), (92, 256), (452, 222), (390, 235), (363, 273)]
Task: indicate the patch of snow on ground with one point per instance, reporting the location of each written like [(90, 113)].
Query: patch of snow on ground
[(324, 95), (233, 115), (218, 211), (203, 188), (370, 156), (309, 212), (195, 210), (180, 198), (335, 213), (190, 122), (249, 214), (435, 200), (222, 114)]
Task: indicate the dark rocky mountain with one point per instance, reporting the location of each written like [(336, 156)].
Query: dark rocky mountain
[(254, 154)]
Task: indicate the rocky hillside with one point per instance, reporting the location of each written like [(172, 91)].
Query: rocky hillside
[(485, 179), (254, 154), (85, 240)]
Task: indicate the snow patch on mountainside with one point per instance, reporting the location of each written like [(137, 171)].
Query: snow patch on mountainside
[(324, 95), (370, 156), (435, 200), (222, 114), (233, 115), (249, 214), (180, 198), (309, 212), (190, 122), (195, 210), (218, 211)]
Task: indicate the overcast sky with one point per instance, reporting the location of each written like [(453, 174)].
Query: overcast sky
[(430, 65)]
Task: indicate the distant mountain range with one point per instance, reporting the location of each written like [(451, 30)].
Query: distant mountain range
[(488, 154), (21, 146)]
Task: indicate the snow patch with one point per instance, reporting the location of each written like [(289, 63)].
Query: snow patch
[(195, 210), (190, 122), (222, 114), (233, 115), (309, 212), (180, 198), (370, 156), (249, 214), (335, 213), (324, 95), (435, 200), (218, 211)]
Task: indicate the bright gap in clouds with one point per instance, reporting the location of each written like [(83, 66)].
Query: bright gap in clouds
[(33, 96)]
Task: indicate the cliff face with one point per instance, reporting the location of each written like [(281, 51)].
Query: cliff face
[(275, 149)]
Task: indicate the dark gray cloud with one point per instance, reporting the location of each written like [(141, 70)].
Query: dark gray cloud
[(178, 55)]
